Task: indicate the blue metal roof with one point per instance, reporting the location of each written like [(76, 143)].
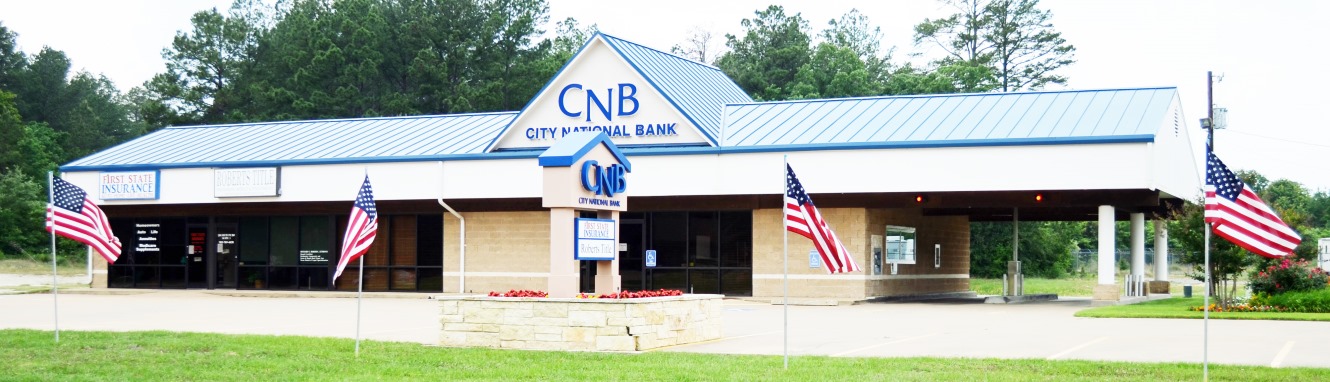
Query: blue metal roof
[(323, 141), (1079, 116), (574, 146), (698, 90)]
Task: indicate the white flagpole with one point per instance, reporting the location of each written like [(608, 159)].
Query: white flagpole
[(55, 287), (785, 233), (360, 296), (1205, 351)]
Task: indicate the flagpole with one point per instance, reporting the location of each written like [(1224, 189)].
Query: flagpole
[(55, 287), (1205, 351), (360, 286), (360, 297), (785, 233)]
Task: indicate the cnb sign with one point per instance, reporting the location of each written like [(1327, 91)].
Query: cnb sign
[(627, 96), (608, 180), (586, 171)]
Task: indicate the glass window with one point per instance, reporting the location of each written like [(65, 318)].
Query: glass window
[(736, 239), (737, 282), (703, 281), (283, 278), (147, 242), (253, 277), (314, 278), (173, 232), (404, 279), (669, 279), (377, 255), (350, 276), (315, 240), (283, 243), (900, 245), (173, 277), (430, 279), (669, 237), (702, 240), (146, 277), (120, 277), (253, 241), (404, 241), (376, 279), (429, 245)]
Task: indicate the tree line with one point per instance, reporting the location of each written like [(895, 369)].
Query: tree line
[(313, 59)]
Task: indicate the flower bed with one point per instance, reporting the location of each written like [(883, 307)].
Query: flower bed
[(586, 324), (1288, 276)]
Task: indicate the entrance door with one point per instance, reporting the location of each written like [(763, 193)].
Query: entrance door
[(224, 241), (632, 234), (196, 254)]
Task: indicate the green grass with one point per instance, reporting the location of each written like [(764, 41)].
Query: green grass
[(29, 267), (1177, 308), (146, 356)]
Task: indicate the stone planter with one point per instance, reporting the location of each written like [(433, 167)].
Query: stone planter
[(579, 324)]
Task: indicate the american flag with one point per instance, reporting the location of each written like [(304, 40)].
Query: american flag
[(802, 217), (71, 214), (360, 229), (1240, 216)]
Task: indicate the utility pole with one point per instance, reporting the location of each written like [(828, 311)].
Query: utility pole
[(1210, 112)]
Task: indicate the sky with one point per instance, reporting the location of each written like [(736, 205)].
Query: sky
[(1264, 55)]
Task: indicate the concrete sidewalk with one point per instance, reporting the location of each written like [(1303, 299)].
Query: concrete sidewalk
[(1035, 330)]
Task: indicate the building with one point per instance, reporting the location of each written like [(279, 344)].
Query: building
[(263, 205)]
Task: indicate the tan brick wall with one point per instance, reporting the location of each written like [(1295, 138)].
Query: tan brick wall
[(805, 282), (504, 242), (952, 232), (855, 226)]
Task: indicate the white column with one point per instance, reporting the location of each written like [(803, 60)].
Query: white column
[(1161, 250), (1106, 245), (1138, 245)]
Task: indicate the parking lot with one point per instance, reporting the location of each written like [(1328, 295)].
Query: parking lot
[(1038, 330)]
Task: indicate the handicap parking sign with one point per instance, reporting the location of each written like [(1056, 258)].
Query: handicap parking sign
[(651, 257)]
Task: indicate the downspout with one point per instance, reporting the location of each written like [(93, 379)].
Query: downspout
[(461, 277)]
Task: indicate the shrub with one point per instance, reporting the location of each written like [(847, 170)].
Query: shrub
[(520, 293), (1317, 301), (1288, 276), (639, 294)]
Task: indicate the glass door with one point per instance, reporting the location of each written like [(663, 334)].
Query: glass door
[(632, 235), (224, 241), (196, 251)]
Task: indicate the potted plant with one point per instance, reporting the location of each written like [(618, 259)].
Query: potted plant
[(256, 280)]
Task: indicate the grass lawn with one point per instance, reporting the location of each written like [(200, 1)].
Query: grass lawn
[(147, 356), (29, 267), (1177, 308)]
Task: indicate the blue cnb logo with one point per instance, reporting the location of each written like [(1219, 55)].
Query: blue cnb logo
[(627, 97), (603, 180)]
